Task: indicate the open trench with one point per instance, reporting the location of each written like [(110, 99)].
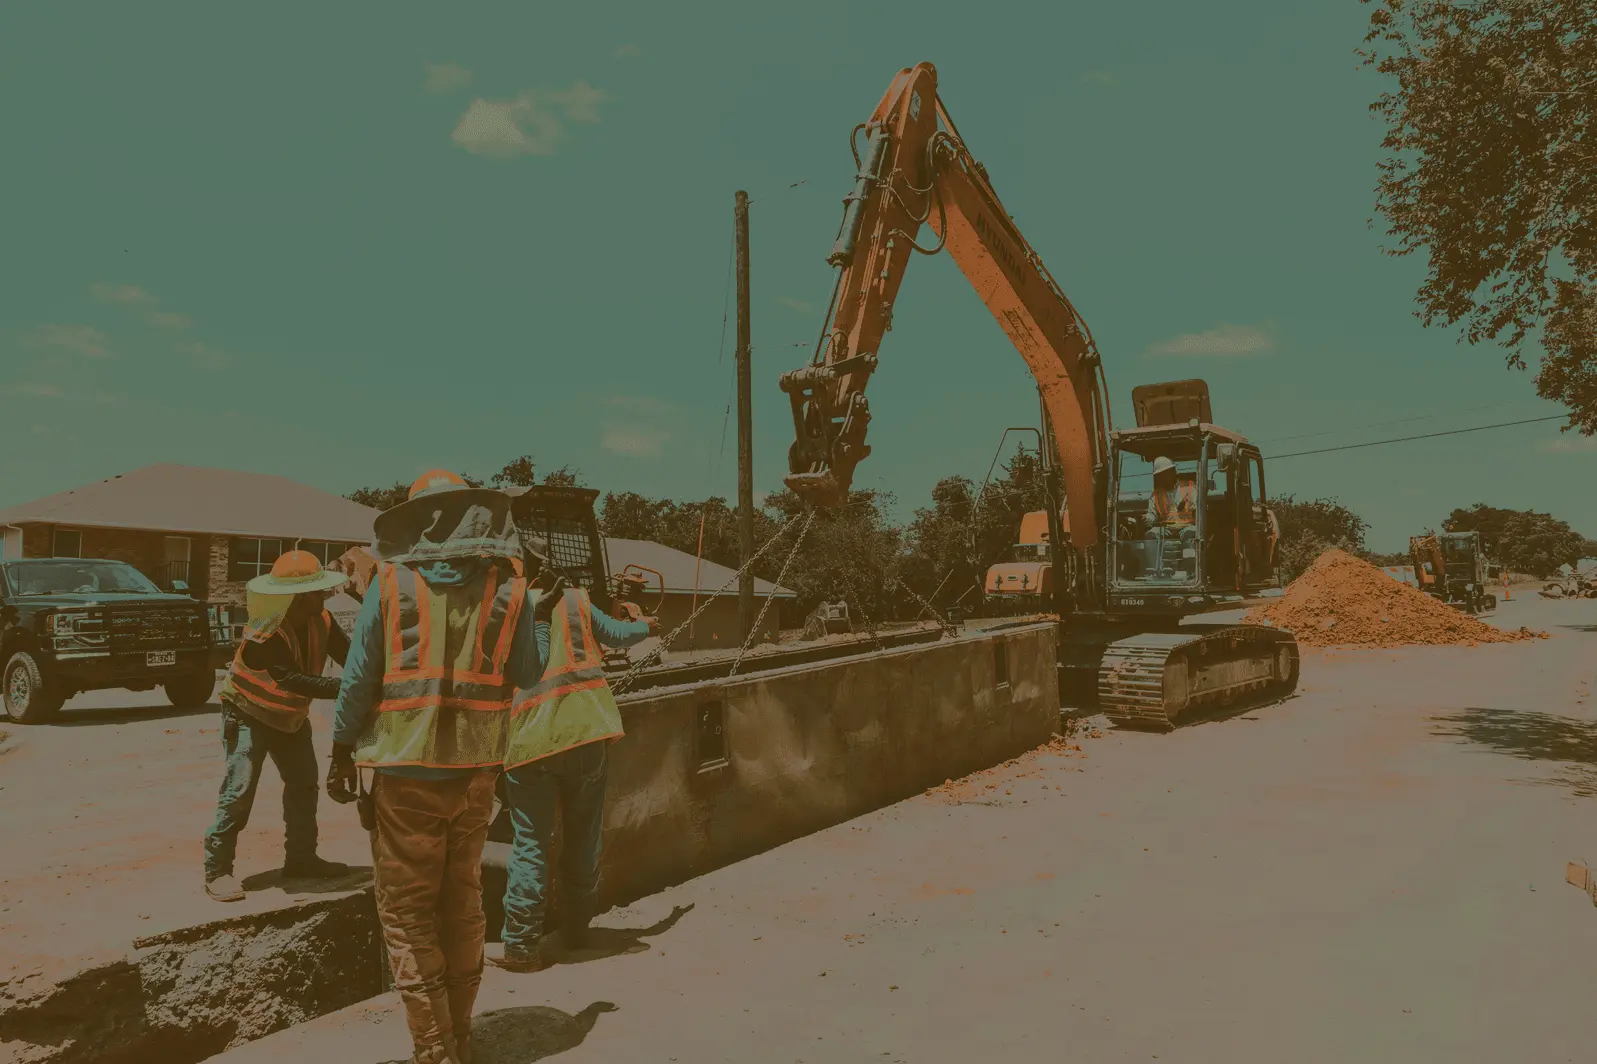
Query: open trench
[(898, 720)]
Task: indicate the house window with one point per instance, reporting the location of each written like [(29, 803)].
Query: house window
[(253, 557), (68, 543), (325, 552)]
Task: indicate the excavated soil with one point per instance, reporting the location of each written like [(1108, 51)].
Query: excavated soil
[(1343, 601)]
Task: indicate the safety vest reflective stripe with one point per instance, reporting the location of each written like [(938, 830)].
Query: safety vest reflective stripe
[(422, 676), (259, 690), (571, 705), (444, 701)]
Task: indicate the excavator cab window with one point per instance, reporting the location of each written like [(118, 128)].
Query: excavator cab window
[(1157, 515)]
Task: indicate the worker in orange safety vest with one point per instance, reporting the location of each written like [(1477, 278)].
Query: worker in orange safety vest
[(266, 698)]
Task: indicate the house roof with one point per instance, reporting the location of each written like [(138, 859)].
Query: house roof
[(182, 498), (677, 568)]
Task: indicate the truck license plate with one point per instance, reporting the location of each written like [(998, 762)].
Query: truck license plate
[(161, 657)]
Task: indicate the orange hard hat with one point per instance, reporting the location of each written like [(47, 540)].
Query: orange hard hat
[(436, 480), (296, 565), (297, 572)]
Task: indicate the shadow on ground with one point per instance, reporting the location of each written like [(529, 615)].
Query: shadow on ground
[(614, 941), (358, 877), (81, 718), (1532, 736), (529, 1032)]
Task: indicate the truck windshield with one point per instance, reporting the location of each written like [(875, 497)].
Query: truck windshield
[(87, 577)]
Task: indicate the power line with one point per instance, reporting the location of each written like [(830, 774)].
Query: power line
[(1382, 424), (1426, 436)]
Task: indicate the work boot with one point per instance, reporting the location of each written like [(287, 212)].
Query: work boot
[(463, 1048), (314, 867), (439, 1054), (224, 888), (514, 960)]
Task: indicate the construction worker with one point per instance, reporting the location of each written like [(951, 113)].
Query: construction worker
[(442, 637), (266, 701), (557, 752), (1173, 503)]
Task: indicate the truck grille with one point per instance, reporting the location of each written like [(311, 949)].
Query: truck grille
[(153, 628)]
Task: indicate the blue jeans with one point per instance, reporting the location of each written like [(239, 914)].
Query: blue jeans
[(575, 779), (247, 743)]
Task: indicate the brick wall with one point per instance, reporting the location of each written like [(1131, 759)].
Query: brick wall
[(219, 587)]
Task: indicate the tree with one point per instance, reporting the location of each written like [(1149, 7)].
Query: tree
[(1489, 521), (1539, 544), (1312, 527), (381, 498), (851, 552), (522, 473), (938, 560), (1493, 172)]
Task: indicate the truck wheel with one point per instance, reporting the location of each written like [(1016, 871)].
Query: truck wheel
[(30, 696), (192, 691)]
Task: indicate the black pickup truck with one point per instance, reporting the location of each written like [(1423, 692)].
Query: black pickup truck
[(87, 624)]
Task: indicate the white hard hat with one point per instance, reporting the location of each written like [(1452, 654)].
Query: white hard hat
[(1162, 465)]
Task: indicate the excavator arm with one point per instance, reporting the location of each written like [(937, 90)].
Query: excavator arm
[(915, 172)]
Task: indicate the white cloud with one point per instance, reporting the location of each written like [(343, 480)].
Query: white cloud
[(205, 355), (79, 339), (446, 77), (796, 304), (1105, 78), (628, 51), (1226, 340), (634, 441), (534, 123), (637, 403), (128, 294), (143, 302), (170, 321), (1570, 443)]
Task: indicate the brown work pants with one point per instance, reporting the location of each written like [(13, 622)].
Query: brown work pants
[(427, 864)]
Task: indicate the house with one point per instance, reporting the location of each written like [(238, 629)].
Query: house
[(210, 530), (719, 626)]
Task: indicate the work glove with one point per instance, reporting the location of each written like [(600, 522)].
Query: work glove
[(545, 608), (342, 776)]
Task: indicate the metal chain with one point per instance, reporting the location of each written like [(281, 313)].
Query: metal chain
[(754, 629), (654, 656), (946, 625)]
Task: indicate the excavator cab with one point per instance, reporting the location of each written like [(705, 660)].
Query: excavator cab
[(1189, 528)]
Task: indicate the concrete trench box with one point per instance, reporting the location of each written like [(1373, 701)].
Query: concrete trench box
[(710, 772)]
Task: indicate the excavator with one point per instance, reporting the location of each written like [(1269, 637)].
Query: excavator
[(1452, 568), (1166, 520)]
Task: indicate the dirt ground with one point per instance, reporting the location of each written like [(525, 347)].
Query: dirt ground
[(102, 818), (1370, 871)]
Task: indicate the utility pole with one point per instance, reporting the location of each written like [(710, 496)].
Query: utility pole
[(745, 424)]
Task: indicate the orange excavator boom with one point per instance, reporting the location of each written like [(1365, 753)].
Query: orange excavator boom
[(917, 172)]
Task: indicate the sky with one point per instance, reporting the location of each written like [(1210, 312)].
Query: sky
[(349, 243)]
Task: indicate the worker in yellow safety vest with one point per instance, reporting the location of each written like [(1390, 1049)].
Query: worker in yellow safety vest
[(556, 753), (266, 699), (442, 639)]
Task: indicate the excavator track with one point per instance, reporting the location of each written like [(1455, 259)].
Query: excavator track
[(1159, 681)]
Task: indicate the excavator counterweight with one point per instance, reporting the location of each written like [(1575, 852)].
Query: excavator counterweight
[(1166, 520)]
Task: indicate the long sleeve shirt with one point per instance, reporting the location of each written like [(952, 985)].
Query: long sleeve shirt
[(275, 658), (529, 654)]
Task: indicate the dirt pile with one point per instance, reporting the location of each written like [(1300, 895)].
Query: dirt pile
[(1343, 601)]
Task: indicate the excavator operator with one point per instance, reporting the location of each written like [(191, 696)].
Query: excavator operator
[(1172, 504)]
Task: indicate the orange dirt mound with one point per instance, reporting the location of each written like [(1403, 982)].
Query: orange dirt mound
[(1343, 601)]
